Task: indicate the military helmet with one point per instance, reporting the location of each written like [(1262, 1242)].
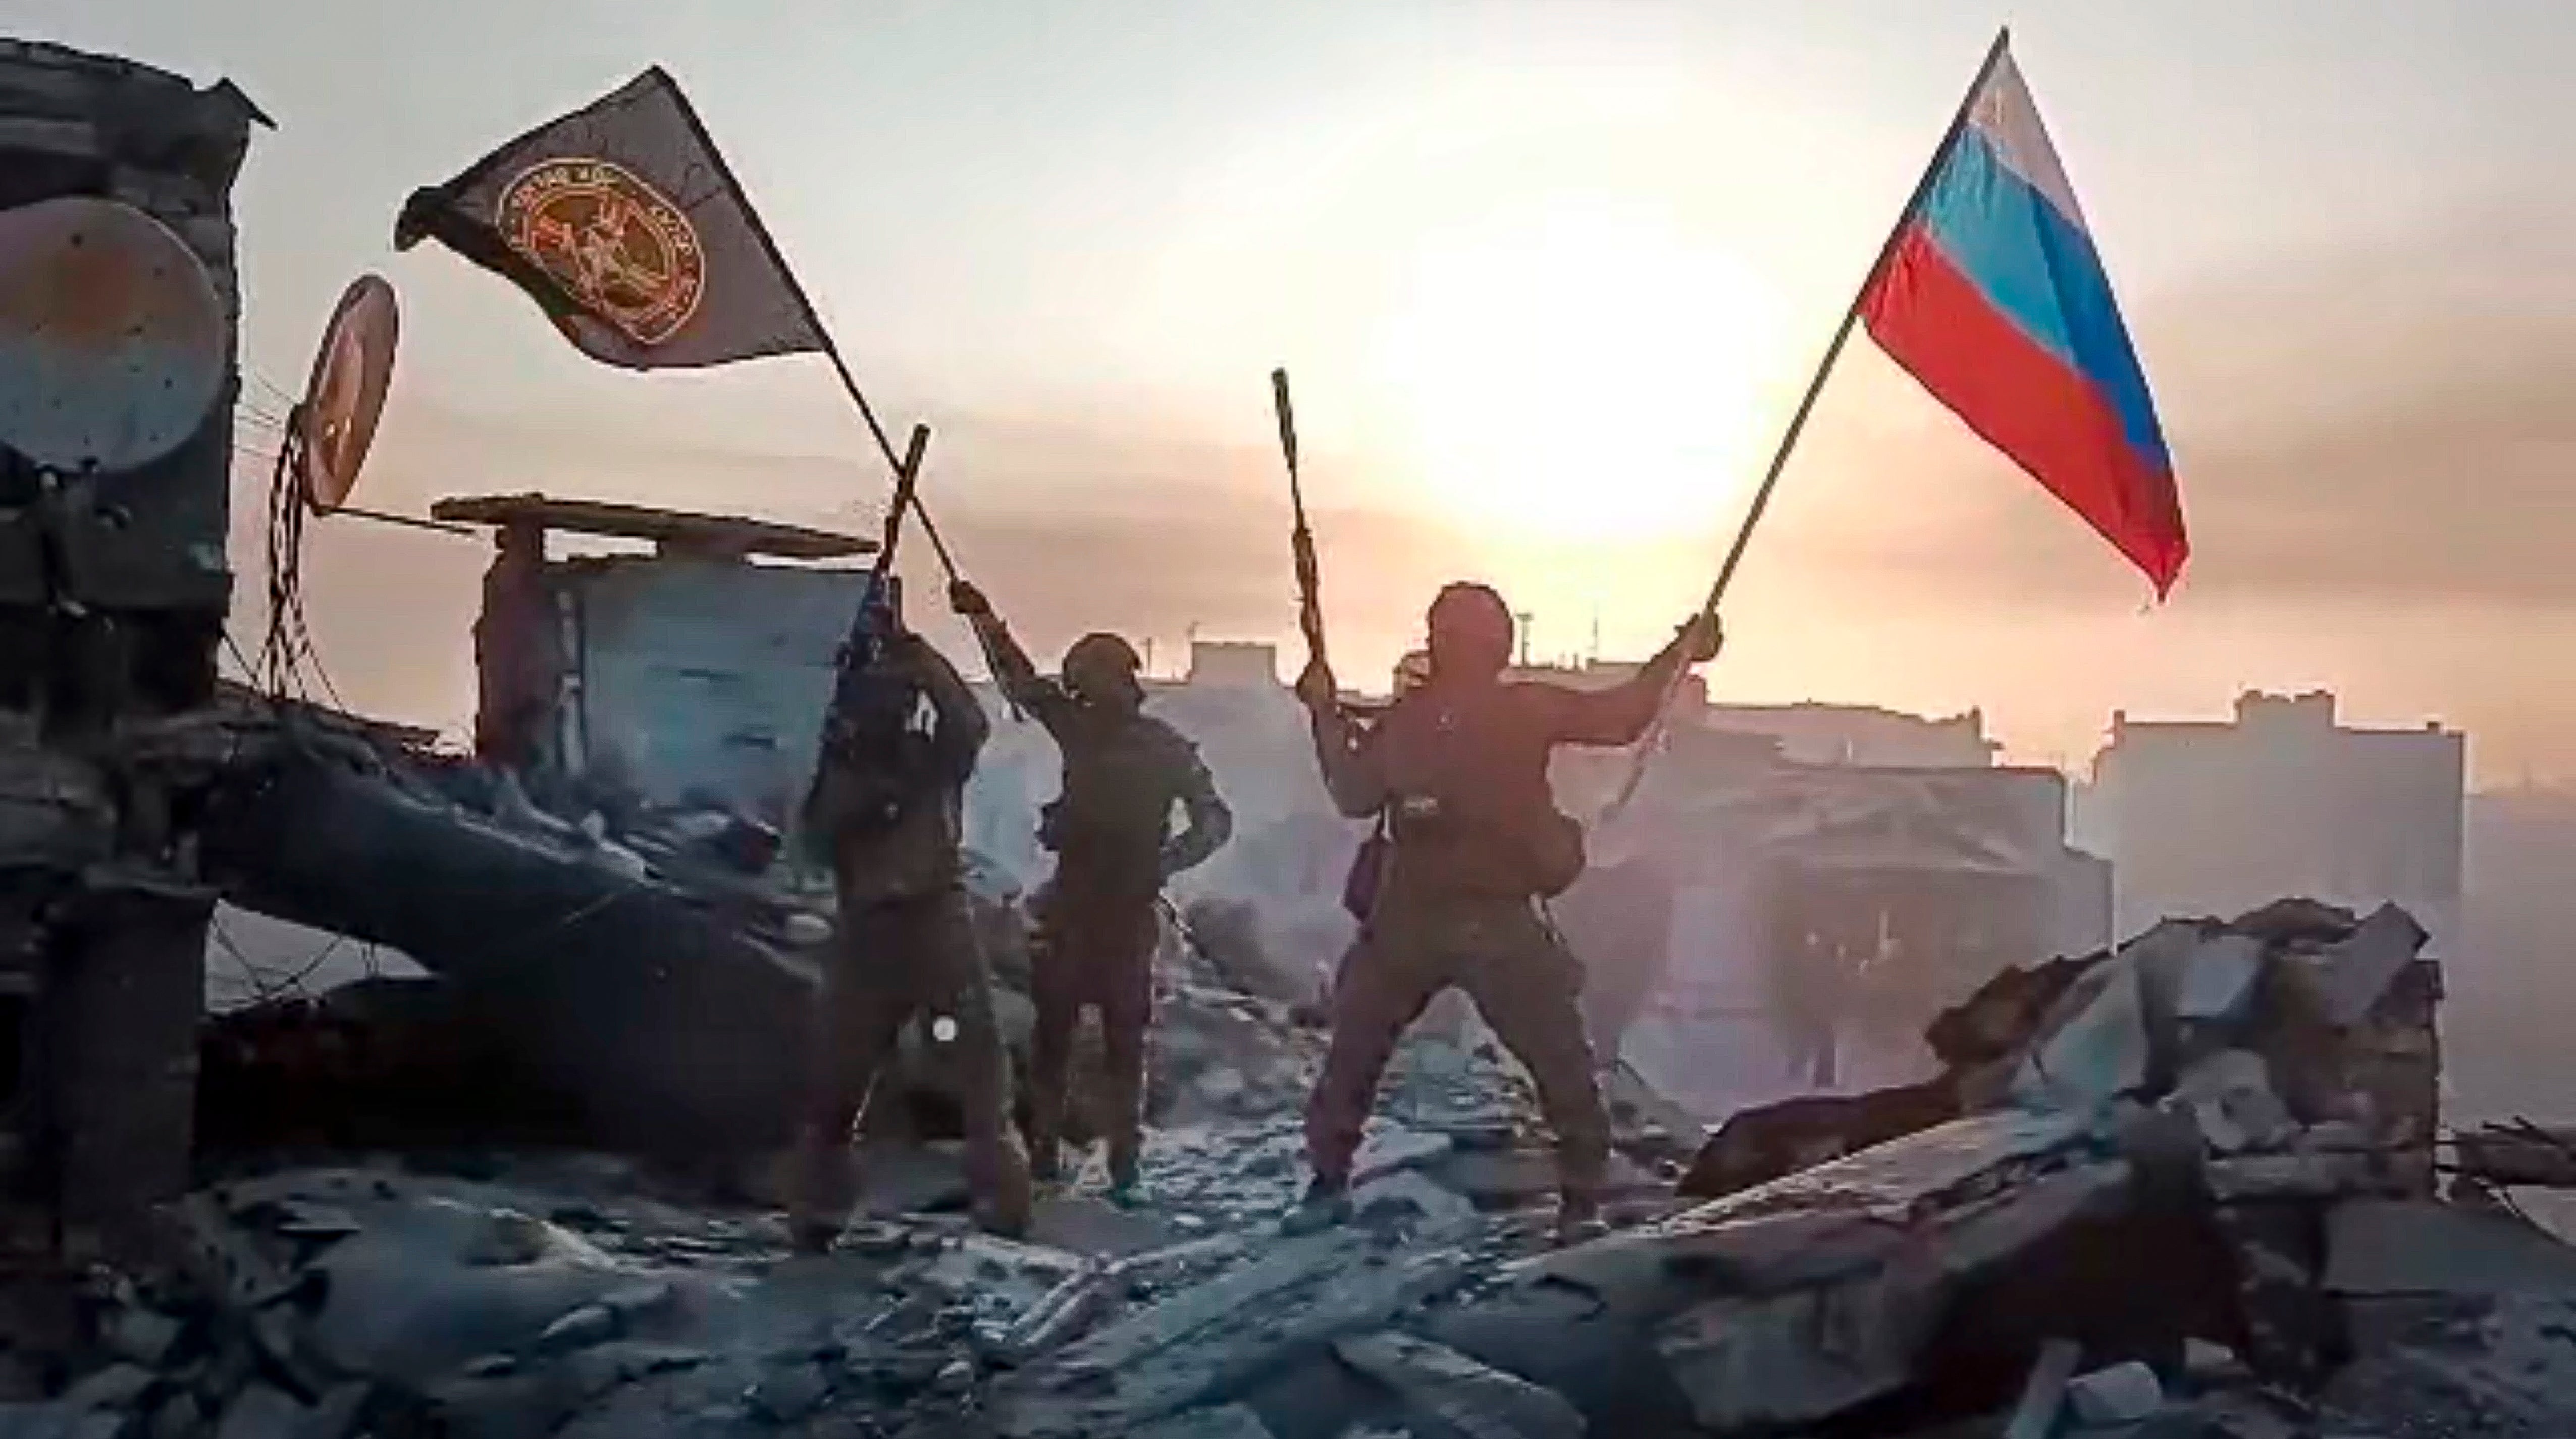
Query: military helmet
[(1098, 664), (1469, 622)]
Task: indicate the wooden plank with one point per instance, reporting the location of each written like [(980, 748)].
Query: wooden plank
[(686, 530)]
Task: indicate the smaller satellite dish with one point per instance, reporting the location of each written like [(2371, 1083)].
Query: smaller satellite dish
[(112, 338), (346, 396)]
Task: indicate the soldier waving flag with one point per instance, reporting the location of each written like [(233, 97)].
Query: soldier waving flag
[(621, 220)]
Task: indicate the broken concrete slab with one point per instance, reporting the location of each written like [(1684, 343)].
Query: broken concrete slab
[(1407, 1197), (1458, 1394), (1391, 1147), (2125, 1393), (1218, 1421), (1218, 1352), (1805, 1355), (2384, 1247), (1088, 1224), (1291, 1262), (2219, 980), (116, 1387), (1757, 1145), (2354, 973), (261, 1412), (1891, 1179), (2043, 1394), (2102, 1052), (2230, 1097)]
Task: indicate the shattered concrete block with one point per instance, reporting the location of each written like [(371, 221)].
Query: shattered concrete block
[(1287, 1264), (143, 1336), (1390, 1147), (2229, 1096), (115, 1387), (1408, 1197), (261, 1413), (2207, 1362), (2219, 980), (2291, 921), (1756, 1146), (2122, 1394), (1221, 1421), (2383, 1247), (1459, 1394), (787, 1394), (1801, 1356), (2356, 972), (337, 1415), (2043, 1394), (2098, 1055), (583, 1327)]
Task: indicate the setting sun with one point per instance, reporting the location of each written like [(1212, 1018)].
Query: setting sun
[(1580, 375)]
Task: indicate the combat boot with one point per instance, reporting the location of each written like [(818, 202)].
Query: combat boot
[(1327, 1205), (1006, 1201), (1578, 1219)]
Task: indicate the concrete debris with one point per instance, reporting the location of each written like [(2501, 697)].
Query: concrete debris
[(2230, 1096), (2152, 1192), (1458, 1394), (2392, 1246), (2101, 1051), (1219, 1421), (2357, 970), (2043, 1395), (2219, 980), (2122, 1394)]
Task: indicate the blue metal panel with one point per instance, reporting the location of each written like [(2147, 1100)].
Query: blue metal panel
[(709, 677)]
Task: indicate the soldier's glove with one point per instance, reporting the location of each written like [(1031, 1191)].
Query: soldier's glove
[(969, 601)]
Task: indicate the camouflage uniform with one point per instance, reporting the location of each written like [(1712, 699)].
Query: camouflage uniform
[(889, 806), (1459, 774), (1096, 921)]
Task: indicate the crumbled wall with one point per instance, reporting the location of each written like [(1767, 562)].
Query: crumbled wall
[(102, 924)]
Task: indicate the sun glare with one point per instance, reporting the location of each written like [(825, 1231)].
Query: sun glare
[(1575, 375)]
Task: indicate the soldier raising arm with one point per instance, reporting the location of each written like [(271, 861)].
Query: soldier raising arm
[(1125, 773)]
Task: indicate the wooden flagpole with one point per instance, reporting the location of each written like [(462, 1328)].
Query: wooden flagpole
[(1807, 404), (814, 319)]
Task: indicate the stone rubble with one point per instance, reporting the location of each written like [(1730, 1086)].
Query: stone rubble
[(2180, 1188)]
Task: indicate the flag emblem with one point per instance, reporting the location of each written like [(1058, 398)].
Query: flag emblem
[(619, 246), (621, 221)]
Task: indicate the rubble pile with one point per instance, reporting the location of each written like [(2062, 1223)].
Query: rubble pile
[(2138, 1202), (2186, 1187)]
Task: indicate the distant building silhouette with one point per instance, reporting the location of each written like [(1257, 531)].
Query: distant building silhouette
[(2216, 817)]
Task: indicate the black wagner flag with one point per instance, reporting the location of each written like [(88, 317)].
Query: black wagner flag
[(623, 222)]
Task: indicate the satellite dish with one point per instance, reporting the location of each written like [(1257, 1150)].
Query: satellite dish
[(112, 338), (346, 396)]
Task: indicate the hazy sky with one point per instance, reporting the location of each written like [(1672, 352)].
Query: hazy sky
[(1548, 276)]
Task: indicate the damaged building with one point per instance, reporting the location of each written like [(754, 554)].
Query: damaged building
[(113, 593), (2209, 816)]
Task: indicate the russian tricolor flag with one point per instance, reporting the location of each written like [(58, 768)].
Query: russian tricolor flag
[(1995, 298)]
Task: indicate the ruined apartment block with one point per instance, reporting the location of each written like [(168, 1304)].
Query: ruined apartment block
[(2213, 817)]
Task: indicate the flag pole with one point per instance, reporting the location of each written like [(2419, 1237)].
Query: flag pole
[(831, 347), (1807, 402)]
